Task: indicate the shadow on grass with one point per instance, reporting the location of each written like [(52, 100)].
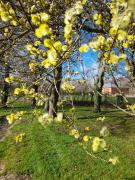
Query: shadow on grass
[(4, 125), (130, 178), (118, 124)]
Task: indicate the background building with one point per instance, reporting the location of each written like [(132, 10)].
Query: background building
[(111, 88)]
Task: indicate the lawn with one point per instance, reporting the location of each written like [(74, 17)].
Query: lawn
[(51, 154)]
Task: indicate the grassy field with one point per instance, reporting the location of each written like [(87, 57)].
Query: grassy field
[(105, 99), (51, 154)]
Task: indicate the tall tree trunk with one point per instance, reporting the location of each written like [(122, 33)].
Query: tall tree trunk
[(97, 100), (35, 87), (131, 64), (5, 87), (55, 90), (47, 105), (98, 85)]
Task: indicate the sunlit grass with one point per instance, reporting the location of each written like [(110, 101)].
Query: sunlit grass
[(50, 153)]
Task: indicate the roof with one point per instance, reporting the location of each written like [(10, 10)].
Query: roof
[(122, 82)]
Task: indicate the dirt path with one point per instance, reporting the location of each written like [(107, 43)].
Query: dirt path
[(15, 177), (4, 128)]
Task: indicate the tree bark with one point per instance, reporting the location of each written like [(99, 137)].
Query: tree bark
[(47, 106), (35, 87), (55, 90), (97, 100), (5, 87), (98, 85), (131, 63)]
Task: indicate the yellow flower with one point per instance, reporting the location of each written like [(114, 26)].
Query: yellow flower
[(113, 58), (46, 63), (33, 8), (98, 143), (6, 30), (72, 109), (121, 35), (35, 19), (101, 119), (67, 37), (37, 43), (132, 107), (15, 116), (22, 21), (67, 87), (59, 117), (114, 160), (87, 128), (32, 66), (24, 89), (9, 79), (104, 131), (127, 68), (45, 119), (11, 11), (109, 41), (44, 17), (113, 31), (123, 56), (75, 133), (97, 18), (69, 20), (14, 22), (84, 48), (85, 138), (52, 55), (84, 2), (11, 118), (130, 37), (58, 46), (48, 43), (59, 103), (33, 51), (4, 16), (125, 44), (29, 47), (17, 91), (64, 47), (43, 30), (98, 43), (68, 29), (19, 137)]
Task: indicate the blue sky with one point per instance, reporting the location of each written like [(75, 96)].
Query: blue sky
[(89, 58), (89, 62)]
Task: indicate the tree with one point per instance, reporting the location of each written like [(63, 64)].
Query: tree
[(5, 86), (56, 29)]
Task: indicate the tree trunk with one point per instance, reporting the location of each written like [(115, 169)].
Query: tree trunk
[(131, 63), (5, 87), (55, 90), (35, 87), (97, 100), (47, 106), (98, 85)]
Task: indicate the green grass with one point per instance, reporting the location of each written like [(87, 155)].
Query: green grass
[(105, 99), (51, 154)]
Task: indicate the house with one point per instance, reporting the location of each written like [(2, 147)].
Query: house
[(111, 88)]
